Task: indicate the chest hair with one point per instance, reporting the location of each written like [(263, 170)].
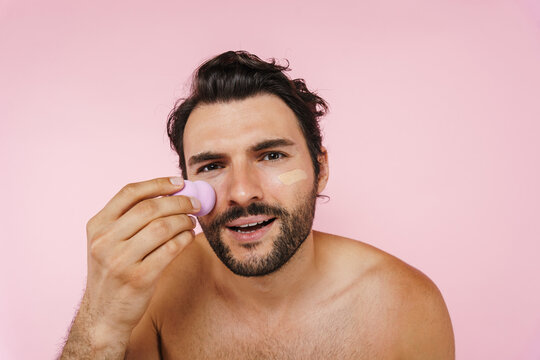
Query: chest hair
[(331, 333)]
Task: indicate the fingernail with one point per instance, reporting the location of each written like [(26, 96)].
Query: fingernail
[(195, 202), (193, 220), (176, 180)]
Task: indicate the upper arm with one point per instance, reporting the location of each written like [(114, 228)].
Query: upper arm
[(144, 341), (427, 329)]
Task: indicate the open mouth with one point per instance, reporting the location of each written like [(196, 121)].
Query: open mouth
[(249, 228)]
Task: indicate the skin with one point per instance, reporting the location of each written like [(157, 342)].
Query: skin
[(335, 298), (130, 242), (155, 290)]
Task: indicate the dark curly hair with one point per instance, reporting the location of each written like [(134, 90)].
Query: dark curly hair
[(237, 75)]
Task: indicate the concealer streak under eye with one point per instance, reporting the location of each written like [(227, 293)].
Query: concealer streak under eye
[(293, 176)]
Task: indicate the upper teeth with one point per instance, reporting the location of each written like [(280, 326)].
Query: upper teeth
[(252, 224)]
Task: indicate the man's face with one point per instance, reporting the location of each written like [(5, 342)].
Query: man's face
[(255, 156)]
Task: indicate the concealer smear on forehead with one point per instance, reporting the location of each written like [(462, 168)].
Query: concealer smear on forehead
[(293, 176)]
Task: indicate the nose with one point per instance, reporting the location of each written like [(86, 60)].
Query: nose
[(244, 185)]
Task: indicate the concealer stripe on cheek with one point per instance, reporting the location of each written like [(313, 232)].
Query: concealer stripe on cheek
[(293, 176)]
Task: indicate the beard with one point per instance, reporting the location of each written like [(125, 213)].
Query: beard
[(295, 226)]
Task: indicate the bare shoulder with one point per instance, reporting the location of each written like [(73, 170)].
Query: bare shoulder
[(400, 295), (369, 264)]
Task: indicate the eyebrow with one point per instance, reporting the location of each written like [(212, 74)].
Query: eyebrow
[(205, 156), (263, 145), (271, 143)]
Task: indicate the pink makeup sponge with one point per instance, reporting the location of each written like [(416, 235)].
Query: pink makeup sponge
[(202, 191)]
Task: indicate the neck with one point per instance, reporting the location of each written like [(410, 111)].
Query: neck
[(273, 291)]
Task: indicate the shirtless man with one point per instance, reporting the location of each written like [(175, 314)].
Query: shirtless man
[(258, 283)]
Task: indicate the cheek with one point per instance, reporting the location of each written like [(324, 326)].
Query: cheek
[(277, 185), (286, 185), (292, 177), (269, 181), (283, 181), (220, 188)]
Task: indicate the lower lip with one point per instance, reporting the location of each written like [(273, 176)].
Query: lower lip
[(251, 236)]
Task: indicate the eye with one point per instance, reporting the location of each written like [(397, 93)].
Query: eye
[(209, 167), (272, 156)]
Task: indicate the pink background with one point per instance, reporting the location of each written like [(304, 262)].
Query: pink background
[(433, 139)]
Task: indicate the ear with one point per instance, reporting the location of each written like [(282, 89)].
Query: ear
[(323, 170)]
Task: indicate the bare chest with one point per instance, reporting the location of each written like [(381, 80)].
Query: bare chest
[(315, 333)]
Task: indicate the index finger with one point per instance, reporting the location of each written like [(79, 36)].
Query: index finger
[(133, 193)]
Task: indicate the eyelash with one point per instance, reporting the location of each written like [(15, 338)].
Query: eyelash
[(215, 166), (281, 155), (205, 168)]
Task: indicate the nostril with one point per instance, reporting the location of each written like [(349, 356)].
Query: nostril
[(243, 184)]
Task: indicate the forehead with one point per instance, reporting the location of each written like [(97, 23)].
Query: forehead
[(228, 126)]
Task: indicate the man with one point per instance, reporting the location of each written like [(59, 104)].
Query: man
[(259, 283)]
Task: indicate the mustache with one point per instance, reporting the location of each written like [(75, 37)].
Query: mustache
[(236, 212)]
